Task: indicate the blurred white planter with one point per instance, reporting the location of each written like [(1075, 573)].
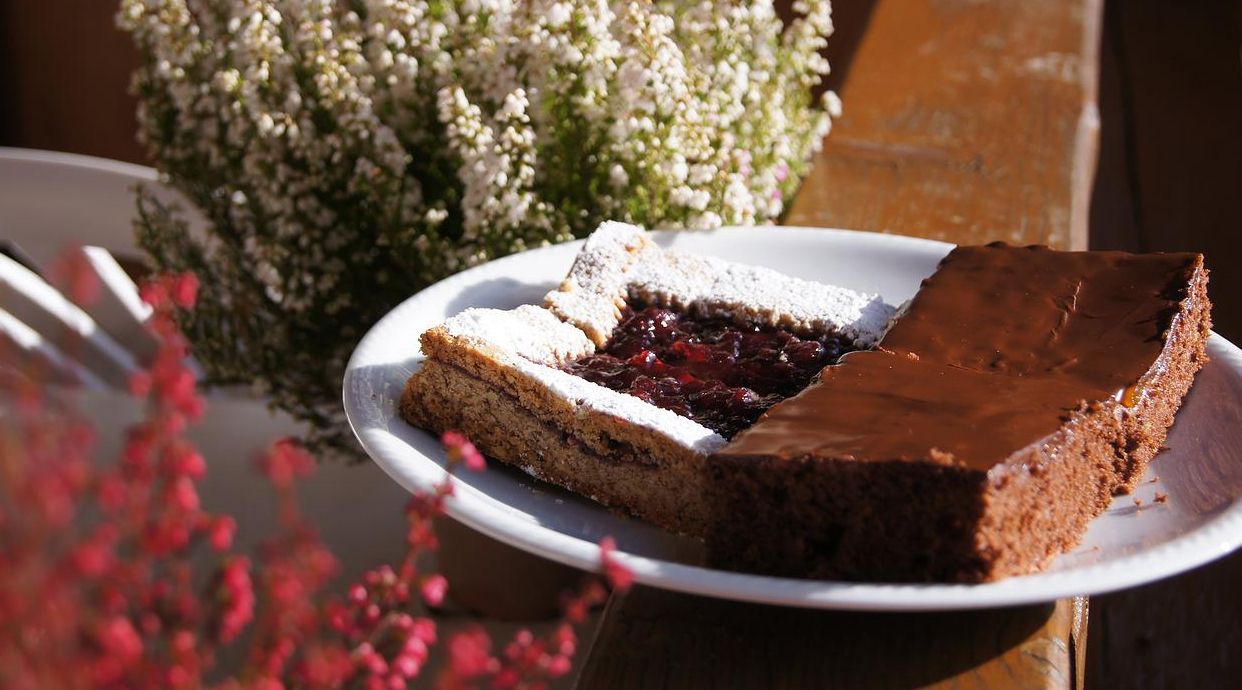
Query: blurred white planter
[(51, 201)]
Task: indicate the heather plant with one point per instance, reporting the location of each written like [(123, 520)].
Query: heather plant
[(347, 153), (103, 584)]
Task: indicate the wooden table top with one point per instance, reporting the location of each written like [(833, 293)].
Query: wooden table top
[(968, 122), (651, 638)]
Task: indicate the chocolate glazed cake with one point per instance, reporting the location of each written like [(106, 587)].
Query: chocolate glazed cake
[(1020, 391)]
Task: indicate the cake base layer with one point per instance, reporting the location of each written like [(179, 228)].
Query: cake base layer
[(906, 522), (442, 396)]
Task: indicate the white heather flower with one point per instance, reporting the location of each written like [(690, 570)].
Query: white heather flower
[(705, 221), (702, 173), (832, 104), (617, 177), (558, 14), (681, 196), (678, 170)]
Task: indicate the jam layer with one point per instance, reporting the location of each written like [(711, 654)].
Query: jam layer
[(720, 374)]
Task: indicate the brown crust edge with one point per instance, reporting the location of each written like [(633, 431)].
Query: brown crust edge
[(627, 478), (599, 430)]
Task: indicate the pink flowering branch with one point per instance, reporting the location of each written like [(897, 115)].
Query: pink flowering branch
[(98, 583)]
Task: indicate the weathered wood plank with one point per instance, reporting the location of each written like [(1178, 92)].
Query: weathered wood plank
[(1184, 632), (965, 121), (654, 639)]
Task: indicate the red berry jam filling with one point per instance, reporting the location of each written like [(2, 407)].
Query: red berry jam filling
[(713, 371)]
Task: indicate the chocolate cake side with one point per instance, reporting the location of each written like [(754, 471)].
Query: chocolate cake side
[(1021, 389)]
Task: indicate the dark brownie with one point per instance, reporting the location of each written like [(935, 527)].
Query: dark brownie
[(1021, 389)]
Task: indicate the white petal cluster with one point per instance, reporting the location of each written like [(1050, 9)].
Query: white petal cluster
[(350, 152)]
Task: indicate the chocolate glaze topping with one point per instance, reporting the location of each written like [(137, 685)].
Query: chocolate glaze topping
[(999, 346)]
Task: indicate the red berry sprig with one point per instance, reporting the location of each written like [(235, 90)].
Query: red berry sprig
[(101, 567)]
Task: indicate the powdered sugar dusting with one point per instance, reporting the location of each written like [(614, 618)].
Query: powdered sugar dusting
[(765, 296), (624, 263), (592, 295), (529, 332), (673, 279)]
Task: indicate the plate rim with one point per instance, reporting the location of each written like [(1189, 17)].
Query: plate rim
[(1219, 536), (79, 161)]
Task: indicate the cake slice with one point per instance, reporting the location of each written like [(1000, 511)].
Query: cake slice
[(1020, 390), (642, 363)]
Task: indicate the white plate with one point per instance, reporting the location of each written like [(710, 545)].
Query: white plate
[(1127, 546)]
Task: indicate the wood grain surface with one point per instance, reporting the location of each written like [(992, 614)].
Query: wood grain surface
[(967, 121), (653, 639)]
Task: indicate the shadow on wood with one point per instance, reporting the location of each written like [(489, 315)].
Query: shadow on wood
[(657, 639), (1171, 151), (849, 20), (1170, 172)]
